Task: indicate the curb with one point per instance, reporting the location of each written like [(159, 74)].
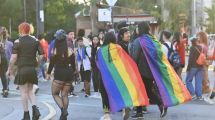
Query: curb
[(52, 111)]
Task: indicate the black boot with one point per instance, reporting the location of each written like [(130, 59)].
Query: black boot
[(163, 111), (36, 113), (26, 116), (64, 114)]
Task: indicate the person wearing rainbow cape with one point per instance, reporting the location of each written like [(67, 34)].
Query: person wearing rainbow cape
[(163, 86), (120, 77)]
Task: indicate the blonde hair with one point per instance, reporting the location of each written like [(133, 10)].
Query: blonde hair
[(203, 38), (4, 33)]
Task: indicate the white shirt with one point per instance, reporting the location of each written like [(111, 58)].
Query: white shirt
[(86, 61), (165, 49)]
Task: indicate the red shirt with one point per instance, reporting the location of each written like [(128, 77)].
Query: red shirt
[(44, 44), (180, 47)]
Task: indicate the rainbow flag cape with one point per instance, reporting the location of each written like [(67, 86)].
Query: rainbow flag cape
[(171, 87), (121, 78)]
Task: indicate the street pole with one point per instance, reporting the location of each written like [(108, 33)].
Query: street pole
[(194, 17), (39, 16), (24, 9)]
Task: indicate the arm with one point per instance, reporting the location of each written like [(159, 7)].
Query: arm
[(134, 50), (190, 58), (51, 65), (12, 62), (41, 56)]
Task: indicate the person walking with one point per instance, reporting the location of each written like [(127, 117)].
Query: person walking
[(84, 66), (156, 70), (194, 70), (5, 54), (95, 76), (63, 62), (203, 41), (24, 55)]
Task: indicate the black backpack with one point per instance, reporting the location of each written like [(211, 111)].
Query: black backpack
[(173, 56)]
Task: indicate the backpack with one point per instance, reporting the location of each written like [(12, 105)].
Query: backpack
[(173, 56), (202, 58)]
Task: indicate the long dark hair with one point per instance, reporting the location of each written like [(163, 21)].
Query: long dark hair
[(98, 44), (109, 38), (176, 37), (61, 48)]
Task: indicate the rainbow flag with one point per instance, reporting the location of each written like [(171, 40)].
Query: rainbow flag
[(121, 78), (171, 87)]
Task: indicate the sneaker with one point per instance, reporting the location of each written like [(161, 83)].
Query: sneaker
[(194, 97), (5, 93), (208, 100), (137, 116), (145, 110), (125, 113), (106, 116), (200, 98)]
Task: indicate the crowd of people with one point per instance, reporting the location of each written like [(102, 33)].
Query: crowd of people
[(69, 59)]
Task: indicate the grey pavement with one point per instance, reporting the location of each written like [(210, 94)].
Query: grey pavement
[(81, 108)]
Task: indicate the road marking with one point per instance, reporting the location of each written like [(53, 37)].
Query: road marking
[(52, 111)]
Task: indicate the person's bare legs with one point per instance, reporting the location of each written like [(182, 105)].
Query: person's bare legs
[(24, 96)]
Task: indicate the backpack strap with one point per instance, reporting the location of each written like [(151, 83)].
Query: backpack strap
[(85, 51), (168, 47)]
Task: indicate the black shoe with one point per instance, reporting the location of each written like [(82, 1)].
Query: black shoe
[(137, 116), (73, 94), (26, 116), (163, 111), (87, 96), (36, 113), (212, 95), (5, 93), (64, 114), (82, 90)]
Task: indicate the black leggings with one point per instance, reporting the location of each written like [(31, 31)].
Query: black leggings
[(60, 92), (95, 77), (105, 101), (4, 81), (152, 92)]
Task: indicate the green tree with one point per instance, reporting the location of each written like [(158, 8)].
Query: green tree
[(211, 19), (60, 14)]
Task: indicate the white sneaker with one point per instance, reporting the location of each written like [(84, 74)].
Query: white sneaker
[(106, 116), (208, 100)]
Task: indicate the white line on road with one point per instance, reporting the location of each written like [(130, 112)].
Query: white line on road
[(52, 111)]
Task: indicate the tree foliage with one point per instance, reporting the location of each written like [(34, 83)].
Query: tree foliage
[(211, 18)]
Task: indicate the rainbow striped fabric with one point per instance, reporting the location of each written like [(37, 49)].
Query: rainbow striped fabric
[(121, 78), (171, 87)]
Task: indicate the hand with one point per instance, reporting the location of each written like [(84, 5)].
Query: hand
[(48, 76)]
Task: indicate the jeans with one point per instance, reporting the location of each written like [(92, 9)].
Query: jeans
[(41, 70), (198, 74)]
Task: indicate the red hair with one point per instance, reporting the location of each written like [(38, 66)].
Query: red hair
[(24, 28)]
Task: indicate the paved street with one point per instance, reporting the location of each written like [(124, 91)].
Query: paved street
[(82, 108)]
